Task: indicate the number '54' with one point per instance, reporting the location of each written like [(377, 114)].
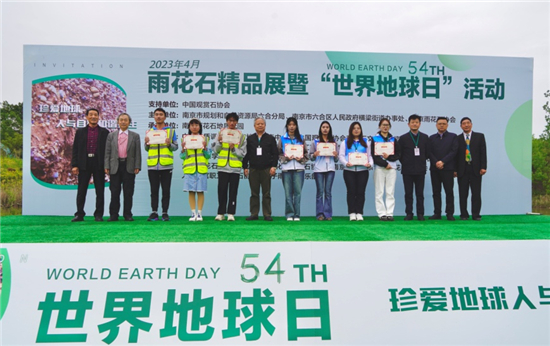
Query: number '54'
[(268, 271)]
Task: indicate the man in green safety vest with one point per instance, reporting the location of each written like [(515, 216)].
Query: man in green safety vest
[(230, 163), (160, 162)]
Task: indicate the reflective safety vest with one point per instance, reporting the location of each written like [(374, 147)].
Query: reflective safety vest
[(160, 153), (195, 161), (225, 153)]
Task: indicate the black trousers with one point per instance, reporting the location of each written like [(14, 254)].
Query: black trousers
[(92, 169), (260, 178), (127, 181), (356, 184), (445, 178), (158, 178), (469, 181), (416, 182), (227, 181)]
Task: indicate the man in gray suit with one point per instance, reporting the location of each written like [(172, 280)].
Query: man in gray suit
[(122, 163)]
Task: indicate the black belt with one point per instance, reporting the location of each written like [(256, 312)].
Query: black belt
[(122, 159), (468, 162), (91, 155)]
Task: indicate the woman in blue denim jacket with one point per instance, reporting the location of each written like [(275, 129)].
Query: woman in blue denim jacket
[(323, 172), (293, 168)]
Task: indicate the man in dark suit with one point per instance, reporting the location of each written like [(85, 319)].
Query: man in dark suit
[(443, 149), (415, 150), (87, 161), (471, 163), (262, 155), (122, 163)]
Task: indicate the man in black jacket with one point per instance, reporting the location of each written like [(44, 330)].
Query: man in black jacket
[(262, 156), (415, 150), (87, 161), (471, 164), (444, 146)]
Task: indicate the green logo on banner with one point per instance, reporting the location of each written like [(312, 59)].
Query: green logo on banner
[(5, 280)]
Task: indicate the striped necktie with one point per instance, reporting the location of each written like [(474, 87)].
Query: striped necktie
[(468, 154)]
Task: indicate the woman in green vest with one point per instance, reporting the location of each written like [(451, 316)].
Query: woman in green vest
[(195, 167)]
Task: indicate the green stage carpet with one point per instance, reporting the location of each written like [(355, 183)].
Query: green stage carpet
[(60, 229)]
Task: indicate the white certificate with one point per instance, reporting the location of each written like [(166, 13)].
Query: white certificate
[(156, 136), (193, 141), (231, 136), (296, 150), (383, 147), (358, 159), (326, 149)]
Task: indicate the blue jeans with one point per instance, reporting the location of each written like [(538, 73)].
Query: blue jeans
[(324, 180), (293, 181)]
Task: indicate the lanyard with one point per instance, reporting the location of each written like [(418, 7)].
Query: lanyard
[(355, 146), (417, 139)]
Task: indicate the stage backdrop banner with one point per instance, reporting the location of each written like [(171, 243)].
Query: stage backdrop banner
[(362, 293), (61, 82)]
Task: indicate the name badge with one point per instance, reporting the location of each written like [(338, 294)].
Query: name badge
[(417, 151), (259, 151)]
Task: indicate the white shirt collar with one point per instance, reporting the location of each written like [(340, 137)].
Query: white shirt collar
[(120, 131)]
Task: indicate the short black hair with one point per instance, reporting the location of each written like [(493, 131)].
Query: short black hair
[(232, 115), (92, 109), (442, 118), (415, 117), (465, 118), (160, 110), (194, 121)]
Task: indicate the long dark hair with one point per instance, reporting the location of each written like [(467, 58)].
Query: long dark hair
[(297, 135), (330, 138), (350, 135), (194, 121), (380, 124)]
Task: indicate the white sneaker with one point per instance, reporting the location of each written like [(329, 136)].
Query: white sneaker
[(296, 219), (199, 217), (289, 219), (359, 217), (353, 217), (193, 218), (230, 217), (219, 217)]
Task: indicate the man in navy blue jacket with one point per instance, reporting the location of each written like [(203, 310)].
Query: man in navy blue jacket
[(415, 150), (444, 146)]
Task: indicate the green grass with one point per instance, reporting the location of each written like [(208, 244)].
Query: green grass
[(60, 229)]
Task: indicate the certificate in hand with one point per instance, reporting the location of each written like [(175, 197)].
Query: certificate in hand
[(384, 147), (326, 149), (156, 136), (296, 150), (193, 141), (358, 159), (231, 136)]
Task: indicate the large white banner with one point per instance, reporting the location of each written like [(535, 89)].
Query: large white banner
[(60, 83), (361, 293)]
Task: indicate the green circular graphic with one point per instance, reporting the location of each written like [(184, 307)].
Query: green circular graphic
[(518, 148)]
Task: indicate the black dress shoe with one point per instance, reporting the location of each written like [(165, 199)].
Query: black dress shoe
[(408, 218), (383, 218), (112, 218), (420, 217), (99, 218), (129, 218), (268, 218), (450, 218), (252, 217), (389, 218), (476, 218), (435, 217), (463, 218), (77, 219)]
